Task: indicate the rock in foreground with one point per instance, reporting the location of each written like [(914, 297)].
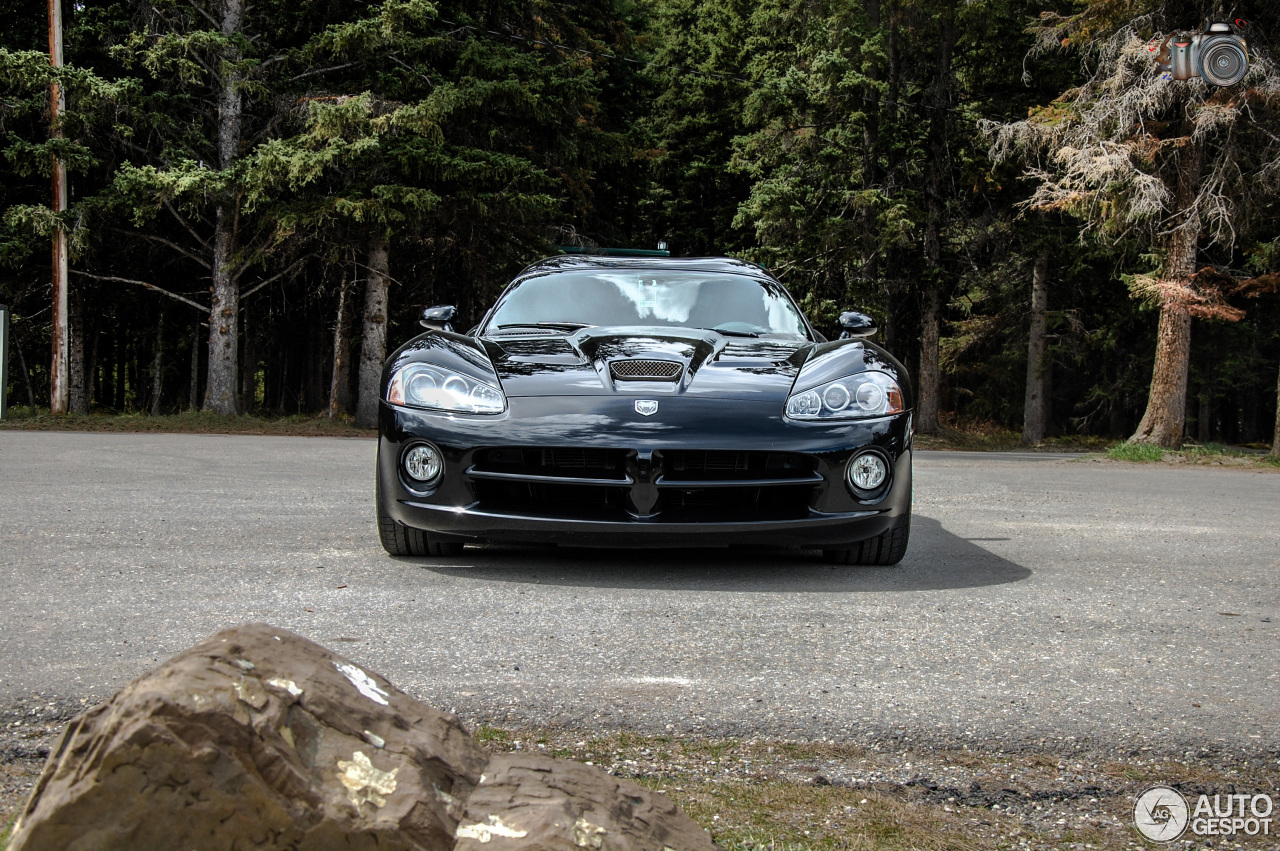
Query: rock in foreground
[(258, 738)]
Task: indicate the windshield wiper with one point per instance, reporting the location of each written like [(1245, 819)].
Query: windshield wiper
[(559, 326), (729, 332)]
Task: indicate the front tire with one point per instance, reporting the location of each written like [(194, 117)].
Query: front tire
[(400, 540), (884, 550)]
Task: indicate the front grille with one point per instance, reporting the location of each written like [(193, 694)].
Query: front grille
[(736, 504), (579, 462), (694, 486), (637, 369), (697, 465), (540, 499)]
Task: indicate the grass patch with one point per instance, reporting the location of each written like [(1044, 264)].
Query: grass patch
[(778, 815), (22, 418), (6, 831), (1141, 453), (811, 796), (1206, 454), (493, 736), (1212, 450)]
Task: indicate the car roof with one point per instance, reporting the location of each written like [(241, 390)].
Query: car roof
[(581, 262)]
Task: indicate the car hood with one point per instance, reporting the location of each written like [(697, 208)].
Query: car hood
[(579, 364)]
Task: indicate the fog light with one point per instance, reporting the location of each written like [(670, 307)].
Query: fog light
[(423, 464), (868, 471)]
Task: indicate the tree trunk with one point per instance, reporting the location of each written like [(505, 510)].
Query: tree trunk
[(220, 391), (92, 383), (1166, 406), (132, 386), (927, 420), (26, 377), (1163, 422), (871, 129), (373, 347), (1275, 440), (891, 48), (341, 355), (79, 389), (1204, 419), (249, 370), (59, 384), (1250, 428), (889, 268), (1035, 408), (157, 367), (317, 395), (939, 98), (270, 369), (871, 178), (195, 370), (120, 359)]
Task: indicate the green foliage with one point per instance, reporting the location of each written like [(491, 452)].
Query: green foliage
[(474, 136), (1142, 453)]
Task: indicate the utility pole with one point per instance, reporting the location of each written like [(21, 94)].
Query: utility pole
[(59, 388)]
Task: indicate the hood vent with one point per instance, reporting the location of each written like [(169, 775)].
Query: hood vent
[(637, 369)]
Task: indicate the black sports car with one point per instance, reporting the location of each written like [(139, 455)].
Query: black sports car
[(645, 402)]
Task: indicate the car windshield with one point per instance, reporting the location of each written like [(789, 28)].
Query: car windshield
[(735, 305)]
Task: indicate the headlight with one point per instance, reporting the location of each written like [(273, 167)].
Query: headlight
[(424, 385), (867, 394)]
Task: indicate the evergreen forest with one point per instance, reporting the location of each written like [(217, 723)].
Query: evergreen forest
[(263, 195)]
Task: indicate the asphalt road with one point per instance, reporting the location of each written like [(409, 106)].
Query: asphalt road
[(1043, 599)]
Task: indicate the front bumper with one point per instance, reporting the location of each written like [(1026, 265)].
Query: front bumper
[(645, 500)]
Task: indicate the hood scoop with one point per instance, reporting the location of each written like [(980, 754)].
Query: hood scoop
[(646, 360), (642, 369)]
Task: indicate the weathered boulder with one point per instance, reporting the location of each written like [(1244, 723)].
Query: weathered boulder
[(258, 738), (533, 801)]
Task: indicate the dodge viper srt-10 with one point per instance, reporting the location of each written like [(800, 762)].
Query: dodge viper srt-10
[(627, 401)]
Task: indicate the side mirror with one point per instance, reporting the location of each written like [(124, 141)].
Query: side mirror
[(439, 318), (856, 324)]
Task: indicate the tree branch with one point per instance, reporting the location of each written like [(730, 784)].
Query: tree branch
[(276, 276), (210, 18), (322, 71), (411, 69), (193, 56), (204, 244), (178, 248), (268, 62), (244, 267), (153, 287)]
